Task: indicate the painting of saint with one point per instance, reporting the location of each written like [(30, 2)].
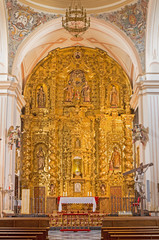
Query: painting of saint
[(86, 92), (41, 100), (115, 158), (114, 97), (77, 187)]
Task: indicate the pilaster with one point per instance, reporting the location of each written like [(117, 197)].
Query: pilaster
[(146, 98), (11, 102)]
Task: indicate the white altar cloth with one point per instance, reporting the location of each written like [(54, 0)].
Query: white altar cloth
[(77, 200)]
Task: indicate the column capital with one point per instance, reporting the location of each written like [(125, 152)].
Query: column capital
[(5, 77), (146, 84), (9, 86)]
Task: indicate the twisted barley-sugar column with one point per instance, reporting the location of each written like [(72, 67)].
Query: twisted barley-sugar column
[(127, 119), (60, 156), (92, 133), (53, 160), (102, 156), (26, 158), (102, 93)]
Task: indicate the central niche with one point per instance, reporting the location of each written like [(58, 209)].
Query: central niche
[(77, 167), (77, 125), (77, 89)]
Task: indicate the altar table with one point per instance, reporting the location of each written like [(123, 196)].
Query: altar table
[(77, 200)]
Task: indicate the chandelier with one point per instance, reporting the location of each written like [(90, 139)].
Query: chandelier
[(76, 21)]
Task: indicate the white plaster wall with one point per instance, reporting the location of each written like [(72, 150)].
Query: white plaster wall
[(3, 100), (146, 98), (150, 100), (151, 119), (152, 38), (147, 89), (3, 40)]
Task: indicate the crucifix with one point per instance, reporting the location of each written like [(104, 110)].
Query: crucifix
[(139, 185)]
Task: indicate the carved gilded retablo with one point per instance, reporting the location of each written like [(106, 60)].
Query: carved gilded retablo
[(77, 137)]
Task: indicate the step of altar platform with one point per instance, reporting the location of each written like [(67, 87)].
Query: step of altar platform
[(59, 228), (92, 235)]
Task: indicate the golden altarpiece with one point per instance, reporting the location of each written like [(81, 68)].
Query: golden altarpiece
[(77, 124)]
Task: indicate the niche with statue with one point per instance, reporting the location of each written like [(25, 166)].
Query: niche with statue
[(77, 167)]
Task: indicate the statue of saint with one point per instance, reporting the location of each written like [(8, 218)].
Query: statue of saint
[(86, 92), (52, 189), (114, 98), (115, 158), (40, 158), (69, 92), (41, 101), (77, 143), (77, 95), (103, 189)]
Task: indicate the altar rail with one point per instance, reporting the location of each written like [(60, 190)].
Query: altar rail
[(105, 205), (118, 204)]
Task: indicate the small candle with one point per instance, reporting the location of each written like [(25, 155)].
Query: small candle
[(88, 193)]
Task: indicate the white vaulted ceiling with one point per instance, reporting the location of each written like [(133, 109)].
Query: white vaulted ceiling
[(51, 36), (59, 6)]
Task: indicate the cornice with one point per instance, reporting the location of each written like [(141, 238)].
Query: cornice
[(147, 83)]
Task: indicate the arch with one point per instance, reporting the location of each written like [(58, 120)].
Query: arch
[(101, 34), (152, 37), (3, 40)]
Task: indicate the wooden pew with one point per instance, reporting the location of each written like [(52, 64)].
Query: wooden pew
[(18, 237), (40, 224), (44, 230), (132, 233), (38, 235), (130, 221), (24, 222), (105, 230), (131, 237), (43, 233)]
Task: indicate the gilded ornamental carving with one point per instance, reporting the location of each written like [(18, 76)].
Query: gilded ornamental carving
[(77, 124)]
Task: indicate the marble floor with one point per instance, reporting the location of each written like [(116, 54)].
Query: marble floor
[(92, 235)]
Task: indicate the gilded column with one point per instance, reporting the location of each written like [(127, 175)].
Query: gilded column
[(53, 168), (26, 158), (26, 144), (128, 151), (102, 156), (94, 187)]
